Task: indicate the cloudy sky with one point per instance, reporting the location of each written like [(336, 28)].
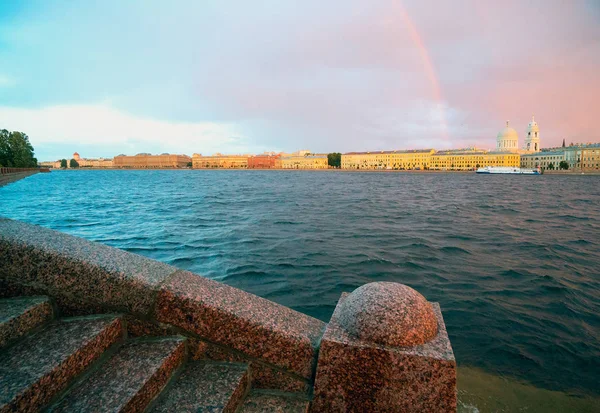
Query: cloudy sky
[(112, 76)]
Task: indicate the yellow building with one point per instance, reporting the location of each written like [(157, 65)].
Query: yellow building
[(590, 158), (304, 162), (470, 159), (220, 161), (399, 160), (148, 161)]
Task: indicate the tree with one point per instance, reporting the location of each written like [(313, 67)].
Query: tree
[(15, 150), (73, 164), (63, 163), (334, 159), (563, 165), (189, 164), (551, 166)]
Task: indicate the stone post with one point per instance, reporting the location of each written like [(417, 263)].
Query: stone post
[(385, 350)]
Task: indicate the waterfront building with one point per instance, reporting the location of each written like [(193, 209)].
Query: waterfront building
[(149, 161), (544, 159), (470, 159), (532, 137), (50, 164), (399, 160), (590, 157), (219, 161), (264, 161), (305, 161), (507, 140), (91, 163), (583, 157), (83, 162)]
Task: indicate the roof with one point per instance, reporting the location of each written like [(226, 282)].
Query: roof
[(474, 153), (544, 153), (390, 152)]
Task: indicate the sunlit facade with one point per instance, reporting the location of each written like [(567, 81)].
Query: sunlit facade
[(219, 161), (546, 159), (148, 161), (468, 160), (395, 160), (304, 162), (264, 161)]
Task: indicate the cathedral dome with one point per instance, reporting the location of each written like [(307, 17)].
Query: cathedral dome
[(507, 139), (507, 133)]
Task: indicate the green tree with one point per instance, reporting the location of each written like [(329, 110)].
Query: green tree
[(334, 159), (563, 165), (551, 166), (189, 164), (73, 164), (5, 153), (15, 150), (63, 163)]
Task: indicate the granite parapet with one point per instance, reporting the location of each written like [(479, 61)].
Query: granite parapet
[(249, 324), (77, 272), (84, 277), (358, 375)]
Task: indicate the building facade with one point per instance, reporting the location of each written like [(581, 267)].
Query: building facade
[(304, 162), (264, 162), (545, 159), (583, 157), (219, 161), (396, 160), (590, 158), (148, 161), (471, 159), (83, 162)]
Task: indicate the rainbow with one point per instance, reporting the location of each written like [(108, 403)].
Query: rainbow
[(428, 65)]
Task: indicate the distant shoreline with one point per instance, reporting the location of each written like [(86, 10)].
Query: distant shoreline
[(429, 171)]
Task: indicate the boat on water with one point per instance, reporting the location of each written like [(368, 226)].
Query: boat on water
[(508, 170)]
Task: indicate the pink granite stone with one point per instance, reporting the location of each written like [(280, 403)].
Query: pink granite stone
[(354, 374), (232, 318), (388, 313), (263, 376), (82, 276)]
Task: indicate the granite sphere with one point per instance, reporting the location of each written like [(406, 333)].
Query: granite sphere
[(390, 314)]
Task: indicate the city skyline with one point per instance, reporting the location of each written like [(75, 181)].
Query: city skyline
[(213, 78)]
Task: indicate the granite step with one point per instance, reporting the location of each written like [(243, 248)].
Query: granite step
[(20, 315), (205, 386), (129, 380), (276, 402), (44, 363)]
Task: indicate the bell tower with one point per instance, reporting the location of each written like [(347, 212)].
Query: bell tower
[(532, 137)]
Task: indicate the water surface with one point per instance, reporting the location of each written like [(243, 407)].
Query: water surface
[(514, 261)]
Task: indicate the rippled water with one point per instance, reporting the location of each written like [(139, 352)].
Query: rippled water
[(513, 260)]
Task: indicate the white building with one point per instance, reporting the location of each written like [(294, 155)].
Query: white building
[(532, 137), (507, 140)]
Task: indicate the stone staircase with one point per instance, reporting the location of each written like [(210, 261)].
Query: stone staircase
[(88, 363)]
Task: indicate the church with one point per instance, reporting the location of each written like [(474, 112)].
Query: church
[(508, 139)]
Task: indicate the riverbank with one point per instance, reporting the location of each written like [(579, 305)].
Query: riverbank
[(429, 171), (6, 179)]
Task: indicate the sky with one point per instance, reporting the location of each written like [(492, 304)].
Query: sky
[(109, 77)]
